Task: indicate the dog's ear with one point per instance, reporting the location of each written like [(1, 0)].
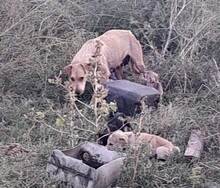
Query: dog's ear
[(68, 69), (123, 139), (151, 74)]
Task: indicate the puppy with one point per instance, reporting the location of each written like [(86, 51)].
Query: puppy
[(160, 147), (152, 80), (117, 47), (116, 121)]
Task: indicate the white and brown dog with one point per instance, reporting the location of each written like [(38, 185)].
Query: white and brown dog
[(160, 147), (117, 46)]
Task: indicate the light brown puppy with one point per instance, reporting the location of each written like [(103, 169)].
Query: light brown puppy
[(152, 80), (117, 45), (159, 146)]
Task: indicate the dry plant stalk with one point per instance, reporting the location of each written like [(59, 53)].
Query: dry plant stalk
[(98, 103), (143, 114), (173, 18)]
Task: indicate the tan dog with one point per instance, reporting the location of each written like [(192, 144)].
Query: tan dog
[(159, 146), (117, 45), (152, 80)]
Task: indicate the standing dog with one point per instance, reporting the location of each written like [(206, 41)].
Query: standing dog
[(117, 47), (159, 146)]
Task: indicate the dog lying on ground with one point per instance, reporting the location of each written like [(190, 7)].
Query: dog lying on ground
[(117, 47), (152, 80), (116, 121), (160, 147)]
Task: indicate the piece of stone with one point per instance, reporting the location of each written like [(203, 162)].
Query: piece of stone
[(128, 96), (195, 144)]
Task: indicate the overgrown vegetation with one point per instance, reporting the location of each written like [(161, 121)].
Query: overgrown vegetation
[(180, 41)]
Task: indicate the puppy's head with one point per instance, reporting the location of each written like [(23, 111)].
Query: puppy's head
[(77, 73), (116, 139), (151, 77)]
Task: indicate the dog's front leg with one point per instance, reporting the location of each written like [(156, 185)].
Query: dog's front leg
[(105, 74), (119, 72)]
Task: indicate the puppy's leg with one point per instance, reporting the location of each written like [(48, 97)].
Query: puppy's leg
[(162, 152)]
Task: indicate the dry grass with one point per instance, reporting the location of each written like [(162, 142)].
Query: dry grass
[(180, 41)]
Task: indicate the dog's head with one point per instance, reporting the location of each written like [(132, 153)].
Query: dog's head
[(77, 73), (151, 77), (116, 139)]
